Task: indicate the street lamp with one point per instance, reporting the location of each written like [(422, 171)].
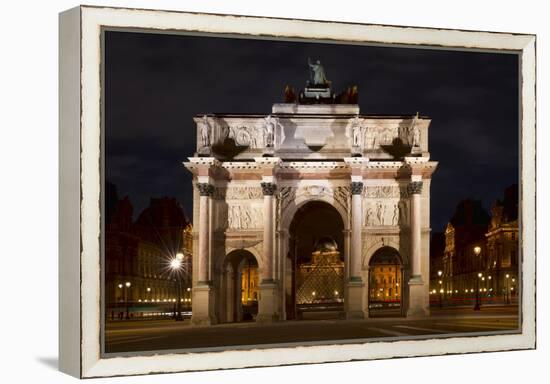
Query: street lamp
[(477, 307), (439, 273), (127, 285), (189, 296), (175, 265), (477, 252), (506, 293)]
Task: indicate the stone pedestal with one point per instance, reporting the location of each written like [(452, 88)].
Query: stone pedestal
[(205, 151), (419, 305), (267, 304), (203, 305), (353, 304), (318, 92)]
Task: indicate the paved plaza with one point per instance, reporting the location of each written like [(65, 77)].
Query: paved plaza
[(154, 335)]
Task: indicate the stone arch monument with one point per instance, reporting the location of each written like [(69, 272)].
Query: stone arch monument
[(259, 169)]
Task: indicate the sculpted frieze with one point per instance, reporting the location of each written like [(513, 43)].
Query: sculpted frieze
[(243, 192), (386, 213), (244, 216), (385, 192)]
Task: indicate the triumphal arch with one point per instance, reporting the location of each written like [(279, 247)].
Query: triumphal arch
[(314, 207)]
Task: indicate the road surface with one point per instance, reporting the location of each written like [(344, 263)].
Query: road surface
[(157, 335)]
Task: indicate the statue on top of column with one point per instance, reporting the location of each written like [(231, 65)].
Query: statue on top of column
[(357, 132), (205, 132), (317, 73), (270, 123), (415, 132)]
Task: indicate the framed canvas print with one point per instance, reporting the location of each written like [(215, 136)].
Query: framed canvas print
[(250, 191)]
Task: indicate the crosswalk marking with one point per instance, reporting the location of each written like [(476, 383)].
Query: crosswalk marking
[(485, 326), (135, 339), (424, 329), (387, 331)]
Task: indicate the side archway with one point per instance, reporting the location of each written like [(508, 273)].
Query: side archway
[(386, 288), (239, 286)]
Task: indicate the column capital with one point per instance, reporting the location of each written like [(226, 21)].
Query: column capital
[(268, 189), (205, 189), (415, 187), (356, 187)]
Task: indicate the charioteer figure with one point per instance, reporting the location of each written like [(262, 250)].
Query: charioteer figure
[(317, 74)]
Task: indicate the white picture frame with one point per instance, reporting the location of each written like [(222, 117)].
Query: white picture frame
[(80, 184)]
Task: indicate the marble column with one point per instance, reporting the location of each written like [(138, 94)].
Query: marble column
[(268, 190), (356, 213), (354, 298), (418, 305), (205, 191), (267, 306), (203, 301), (414, 190)]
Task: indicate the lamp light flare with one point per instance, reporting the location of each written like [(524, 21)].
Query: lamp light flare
[(175, 263)]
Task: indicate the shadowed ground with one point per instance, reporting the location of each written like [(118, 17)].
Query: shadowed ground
[(134, 336)]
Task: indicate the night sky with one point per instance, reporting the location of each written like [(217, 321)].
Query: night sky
[(156, 83)]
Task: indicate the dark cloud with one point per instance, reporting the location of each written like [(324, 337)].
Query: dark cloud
[(155, 84)]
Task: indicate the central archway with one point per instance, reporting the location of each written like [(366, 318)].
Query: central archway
[(315, 288)]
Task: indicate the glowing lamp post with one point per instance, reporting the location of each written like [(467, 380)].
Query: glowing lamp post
[(477, 307), (127, 286), (507, 293), (439, 273), (176, 264), (477, 252)]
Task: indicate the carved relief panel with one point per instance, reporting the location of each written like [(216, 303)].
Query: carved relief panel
[(244, 216), (251, 133), (385, 206), (239, 207)]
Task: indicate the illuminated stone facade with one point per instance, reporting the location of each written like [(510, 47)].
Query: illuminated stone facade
[(253, 173), (503, 246), (385, 282), (480, 254), (249, 285), (138, 281)]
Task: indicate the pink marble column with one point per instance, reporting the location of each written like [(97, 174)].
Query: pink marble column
[(415, 189), (205, 191), (267, 270), (356, 243)]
